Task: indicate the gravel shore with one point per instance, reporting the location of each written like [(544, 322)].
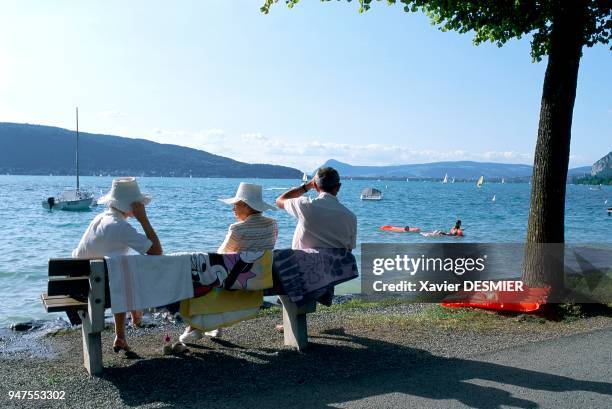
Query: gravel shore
[(248, 364)]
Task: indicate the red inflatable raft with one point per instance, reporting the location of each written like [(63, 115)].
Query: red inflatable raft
[(398, 229), (529, 300)]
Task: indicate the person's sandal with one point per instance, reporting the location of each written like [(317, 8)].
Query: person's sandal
[(121, 345)]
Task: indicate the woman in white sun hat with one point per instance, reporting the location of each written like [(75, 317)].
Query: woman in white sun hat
[(252, 232), (110, 234)]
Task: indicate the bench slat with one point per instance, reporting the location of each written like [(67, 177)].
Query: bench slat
[(62, 303), (73, 286), (68, 267)]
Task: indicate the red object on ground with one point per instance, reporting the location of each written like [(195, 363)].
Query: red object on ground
[(528, 300), (398, 229)]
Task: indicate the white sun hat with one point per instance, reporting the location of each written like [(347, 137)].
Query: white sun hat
[(251, 195), (123, 193)]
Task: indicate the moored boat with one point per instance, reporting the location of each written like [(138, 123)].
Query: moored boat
[(71, 199), (371, 193)]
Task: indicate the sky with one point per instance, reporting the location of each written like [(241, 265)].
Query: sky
[(295, 87)]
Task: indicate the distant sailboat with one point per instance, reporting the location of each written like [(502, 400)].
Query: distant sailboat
[(71, 199), (503, 180), (445, 178), (304, 177), (480, 182), (453, 181), (493, 198)]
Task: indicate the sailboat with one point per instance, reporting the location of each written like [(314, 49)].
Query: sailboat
[(503, 180), (493, 198), (480, 182), (445, 178), (304, 177), (453, 181), (71, 199)]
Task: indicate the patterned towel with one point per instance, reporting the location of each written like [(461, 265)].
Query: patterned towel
[(306, 274), (250, 271)]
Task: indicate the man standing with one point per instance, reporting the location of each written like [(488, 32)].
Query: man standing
[(323, 222)]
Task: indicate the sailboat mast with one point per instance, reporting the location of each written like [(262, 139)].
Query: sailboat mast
[(77, 147)]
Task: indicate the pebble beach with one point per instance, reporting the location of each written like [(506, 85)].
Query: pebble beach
[(346, 343)]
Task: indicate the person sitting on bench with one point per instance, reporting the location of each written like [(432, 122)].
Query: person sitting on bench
[(110, 234), (323, 222), (252, 232)]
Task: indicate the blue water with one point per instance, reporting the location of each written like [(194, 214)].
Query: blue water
[(187, 216)]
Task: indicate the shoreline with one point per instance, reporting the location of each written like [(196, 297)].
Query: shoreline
[(350, 340)]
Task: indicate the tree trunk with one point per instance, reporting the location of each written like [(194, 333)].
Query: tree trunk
[(547, 207)]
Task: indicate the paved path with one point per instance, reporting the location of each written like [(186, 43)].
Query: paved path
[(571, 372)]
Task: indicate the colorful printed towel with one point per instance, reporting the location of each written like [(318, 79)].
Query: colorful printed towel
[(305, 275), (221, 300), (208, 322), (250, 271), (138, 282)]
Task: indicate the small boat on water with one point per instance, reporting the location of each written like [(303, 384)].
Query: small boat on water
[(453, 181), (503, 181), (480, 182), (371, 193), (71, 199), (445, 178), (304, 177)]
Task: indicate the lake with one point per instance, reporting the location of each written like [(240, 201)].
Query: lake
[(188, 216)]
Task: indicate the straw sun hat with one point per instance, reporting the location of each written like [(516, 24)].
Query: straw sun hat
[(251, 195), (123, 193)]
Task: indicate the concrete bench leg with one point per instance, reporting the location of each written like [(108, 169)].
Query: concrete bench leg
[(294, 322), (93, 319)]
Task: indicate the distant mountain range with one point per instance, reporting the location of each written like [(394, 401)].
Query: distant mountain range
[(437, 170), (43, 150)]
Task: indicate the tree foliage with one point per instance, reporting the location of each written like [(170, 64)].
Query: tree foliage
[(498, 21)]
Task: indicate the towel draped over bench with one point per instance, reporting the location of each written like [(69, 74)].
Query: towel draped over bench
[(137, 282)]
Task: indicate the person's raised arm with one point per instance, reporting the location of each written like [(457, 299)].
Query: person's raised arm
[(294, 193), (140, 214)]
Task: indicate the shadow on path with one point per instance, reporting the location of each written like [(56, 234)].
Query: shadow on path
[(337, 367)]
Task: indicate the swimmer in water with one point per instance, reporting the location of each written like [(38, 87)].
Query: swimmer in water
[(456, 230)]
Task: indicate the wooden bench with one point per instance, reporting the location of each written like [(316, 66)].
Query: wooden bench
[(80, 288)]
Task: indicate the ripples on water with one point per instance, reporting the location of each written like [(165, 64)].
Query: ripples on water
[(188, 217)]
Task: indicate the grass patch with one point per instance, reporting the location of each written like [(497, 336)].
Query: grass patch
[(468, 319), (361, 304), (464, 319), (270, 311)]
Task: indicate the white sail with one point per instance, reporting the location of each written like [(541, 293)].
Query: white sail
[(453, 181), (445, 178), (304, 177), (71, 199), (503, 180), (480, 181), (493, 198)]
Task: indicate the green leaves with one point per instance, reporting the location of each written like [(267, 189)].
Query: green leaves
[(498, 21)]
